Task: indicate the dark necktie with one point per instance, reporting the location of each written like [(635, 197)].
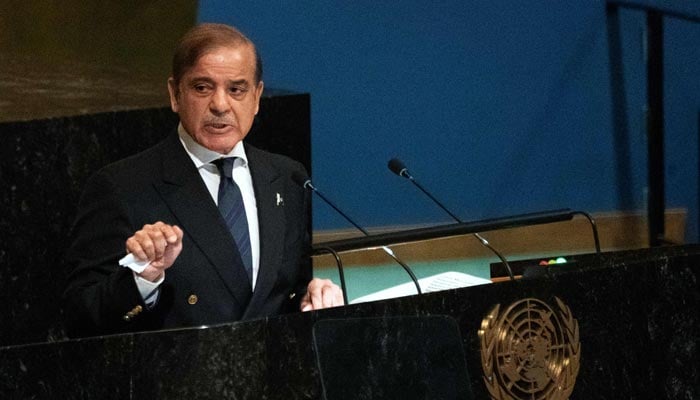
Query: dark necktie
[(233, 210)]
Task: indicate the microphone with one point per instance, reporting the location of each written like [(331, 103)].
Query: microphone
[(399, 168), (305, 182)]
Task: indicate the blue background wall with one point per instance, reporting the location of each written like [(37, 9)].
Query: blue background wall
[(500, 107)]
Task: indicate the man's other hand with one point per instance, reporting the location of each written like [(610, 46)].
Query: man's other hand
[(321, 293)]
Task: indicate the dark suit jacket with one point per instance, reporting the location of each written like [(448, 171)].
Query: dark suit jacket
[(201, 287)]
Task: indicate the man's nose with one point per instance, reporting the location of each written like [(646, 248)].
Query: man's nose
[(219, 102)]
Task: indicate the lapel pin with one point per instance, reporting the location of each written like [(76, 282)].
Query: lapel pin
[(280, 200)]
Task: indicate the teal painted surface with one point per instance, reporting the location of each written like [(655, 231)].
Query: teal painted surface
[(363, 280)]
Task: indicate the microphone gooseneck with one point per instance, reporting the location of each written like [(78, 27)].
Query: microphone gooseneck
[(399, 168), (305, 182), (395, 163), (341, 273)]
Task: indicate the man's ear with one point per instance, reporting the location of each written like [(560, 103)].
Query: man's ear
[(174, 94), (258, 95)]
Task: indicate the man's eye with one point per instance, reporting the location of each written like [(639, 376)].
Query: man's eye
[(237, 90), (200, 88)]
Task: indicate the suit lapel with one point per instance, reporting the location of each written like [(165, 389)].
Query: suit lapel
[(269, 196), (187, 197)]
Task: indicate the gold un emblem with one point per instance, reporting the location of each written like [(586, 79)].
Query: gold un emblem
[(530, 351)]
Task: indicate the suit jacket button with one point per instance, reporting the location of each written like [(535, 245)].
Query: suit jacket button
[(131, 314), (192, 299)]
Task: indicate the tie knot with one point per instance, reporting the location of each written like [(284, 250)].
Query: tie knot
[(225, 166)]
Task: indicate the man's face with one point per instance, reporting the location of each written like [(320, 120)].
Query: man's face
[(217, 98)]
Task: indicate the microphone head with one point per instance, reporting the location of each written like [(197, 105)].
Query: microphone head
[(301, 179), (397, 166)]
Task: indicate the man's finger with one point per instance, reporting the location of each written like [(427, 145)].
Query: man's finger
[(174, 234), (134, 247), (316, 296), (305, 304), (328, 296)]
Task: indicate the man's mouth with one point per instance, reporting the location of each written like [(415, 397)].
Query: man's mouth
[(218, 127)]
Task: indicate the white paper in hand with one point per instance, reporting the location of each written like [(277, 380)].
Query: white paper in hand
[(131, 262)]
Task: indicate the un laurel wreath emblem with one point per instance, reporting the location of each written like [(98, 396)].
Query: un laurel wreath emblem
[(530, 351)]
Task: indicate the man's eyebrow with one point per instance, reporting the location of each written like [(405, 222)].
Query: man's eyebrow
[(199, 79), (238, 82), (206, 79)]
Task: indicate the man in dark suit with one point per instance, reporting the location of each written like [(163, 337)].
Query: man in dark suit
[(160, 206)]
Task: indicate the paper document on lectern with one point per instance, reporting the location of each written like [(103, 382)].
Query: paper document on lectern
[(435, 283)]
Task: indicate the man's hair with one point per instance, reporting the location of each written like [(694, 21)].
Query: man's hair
[(204, 38)]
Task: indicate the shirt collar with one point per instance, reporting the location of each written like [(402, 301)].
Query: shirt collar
[(203, 156)]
